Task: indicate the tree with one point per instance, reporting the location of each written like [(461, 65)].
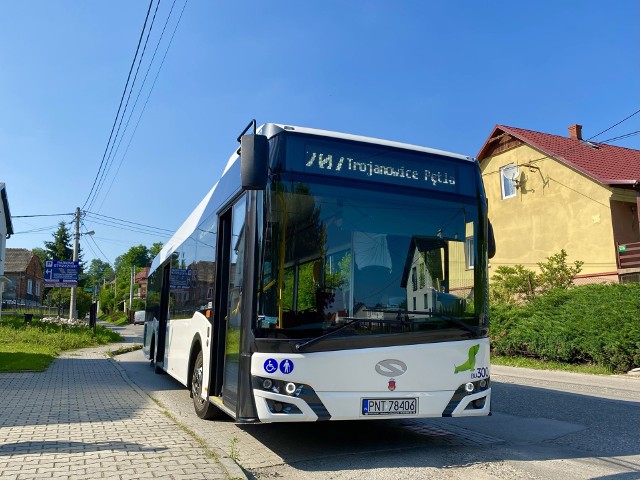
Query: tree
[(61, 296), (61, 248), (513, 284), (138, 256), (99, 271), (155, 249)]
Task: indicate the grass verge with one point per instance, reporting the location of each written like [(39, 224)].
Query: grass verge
[(33, 347), (116, 318), (123, 350), (536, 364)]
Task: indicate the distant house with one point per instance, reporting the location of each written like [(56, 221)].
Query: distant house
[(23, 269), (6, 230), (548, 192), (141, 280)]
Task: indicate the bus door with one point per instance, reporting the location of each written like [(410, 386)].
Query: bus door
[(229, 299), (163, 315)]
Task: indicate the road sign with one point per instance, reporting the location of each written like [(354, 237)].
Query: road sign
[(58, 273), (180, 279)]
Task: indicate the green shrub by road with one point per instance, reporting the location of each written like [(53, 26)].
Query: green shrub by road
[(116, 318), (592, 324), (35, 346)]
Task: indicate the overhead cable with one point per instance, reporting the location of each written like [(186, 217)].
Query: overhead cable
[(111, 155), (104, 155)]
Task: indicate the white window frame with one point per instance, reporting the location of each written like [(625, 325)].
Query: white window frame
[(29, 286), (37, 288), (507, 184), (469, 253)]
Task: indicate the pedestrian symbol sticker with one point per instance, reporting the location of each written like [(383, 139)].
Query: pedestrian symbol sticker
[(286, 366), (270, 365)]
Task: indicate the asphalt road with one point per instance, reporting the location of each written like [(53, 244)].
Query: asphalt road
[(544, 425)]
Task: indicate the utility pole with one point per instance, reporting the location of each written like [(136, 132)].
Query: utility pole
[(133, 269), (73, 313)]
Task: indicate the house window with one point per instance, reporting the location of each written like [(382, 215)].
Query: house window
[(38, 289), (508, 175), (414, 279), (426, 301), (414, 304), (29, 286), (469, 252)]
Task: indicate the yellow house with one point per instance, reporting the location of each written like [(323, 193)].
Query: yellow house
[(548, 192)]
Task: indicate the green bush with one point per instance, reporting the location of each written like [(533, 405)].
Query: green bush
[(518, 284), (590, 324)]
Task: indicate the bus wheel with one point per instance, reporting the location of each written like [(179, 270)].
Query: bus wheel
[(204, 408), (152, 352)]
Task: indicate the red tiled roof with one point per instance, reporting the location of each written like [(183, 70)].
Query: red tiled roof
[(607, 164), (142, 275)]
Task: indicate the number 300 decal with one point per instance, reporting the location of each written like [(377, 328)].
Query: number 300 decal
[(481, 372)]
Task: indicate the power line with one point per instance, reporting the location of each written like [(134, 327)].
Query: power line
[(626, 135), (110, 157), (94, 242), (614, 125), (119, 106), (43, 215), (92, 214), (37, 230), (126, 228), (148, 95)]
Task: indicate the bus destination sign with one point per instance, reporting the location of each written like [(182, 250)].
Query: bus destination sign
[(412, 170), (405, 169)]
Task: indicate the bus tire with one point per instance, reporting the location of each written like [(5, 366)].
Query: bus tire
[(152, 352), (204, 408)]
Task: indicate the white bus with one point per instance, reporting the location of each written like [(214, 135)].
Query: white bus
[(328, 276)]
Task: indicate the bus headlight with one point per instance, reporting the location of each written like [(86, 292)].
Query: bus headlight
[(469, 387), (290, 388)]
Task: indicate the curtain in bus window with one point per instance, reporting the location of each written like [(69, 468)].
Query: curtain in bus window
[(371, 250)]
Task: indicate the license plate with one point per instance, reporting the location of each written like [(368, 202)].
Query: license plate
[(389, 406)]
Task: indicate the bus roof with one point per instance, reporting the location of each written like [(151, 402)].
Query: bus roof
[(271, 129)]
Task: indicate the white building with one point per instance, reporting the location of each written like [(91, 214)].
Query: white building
[(6, 230)]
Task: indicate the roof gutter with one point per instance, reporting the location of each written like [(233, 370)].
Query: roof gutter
[(7, 213)]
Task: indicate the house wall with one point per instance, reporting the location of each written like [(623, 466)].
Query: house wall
[(555, 208), (18, 292), (3, 246)]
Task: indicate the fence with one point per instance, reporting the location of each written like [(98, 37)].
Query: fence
[(9, 308), (628, 255)]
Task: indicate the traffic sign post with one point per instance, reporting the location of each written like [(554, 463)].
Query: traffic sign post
[(58, 273)]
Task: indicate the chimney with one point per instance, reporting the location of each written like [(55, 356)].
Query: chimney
[(575, 132)]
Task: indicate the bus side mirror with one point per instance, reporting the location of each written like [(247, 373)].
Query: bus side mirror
[(491, 241), (254, 162)]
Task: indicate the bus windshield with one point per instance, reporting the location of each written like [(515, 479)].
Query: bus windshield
[(382, 261)]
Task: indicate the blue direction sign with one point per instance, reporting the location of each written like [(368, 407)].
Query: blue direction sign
[(180, 279), (58, 273)]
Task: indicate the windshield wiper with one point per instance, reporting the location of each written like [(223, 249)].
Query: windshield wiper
[(301, 346), (457, 322)]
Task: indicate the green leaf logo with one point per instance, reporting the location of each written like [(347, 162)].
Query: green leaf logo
[(470, 364)]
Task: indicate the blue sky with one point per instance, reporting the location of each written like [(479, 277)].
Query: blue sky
[(433, 73)]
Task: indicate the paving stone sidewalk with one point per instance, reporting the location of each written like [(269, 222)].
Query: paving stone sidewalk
[(83, 419)]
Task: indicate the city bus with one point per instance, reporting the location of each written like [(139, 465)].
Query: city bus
[(328, 276)]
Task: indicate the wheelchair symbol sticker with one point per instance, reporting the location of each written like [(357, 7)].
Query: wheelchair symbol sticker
[(270, 365), (286, 366)]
